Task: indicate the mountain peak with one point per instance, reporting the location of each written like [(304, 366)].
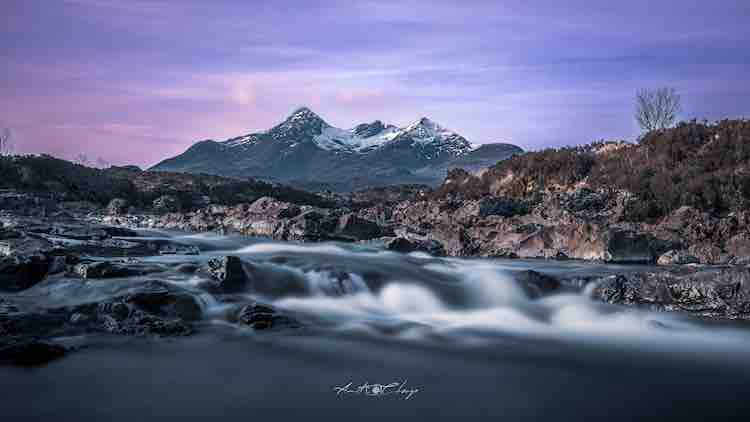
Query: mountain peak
[(303, 114), (301, 124)]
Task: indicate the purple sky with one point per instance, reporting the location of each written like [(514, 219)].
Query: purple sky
[(134, 81)]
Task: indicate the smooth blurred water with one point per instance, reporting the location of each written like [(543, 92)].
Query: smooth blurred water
[(473, 339)]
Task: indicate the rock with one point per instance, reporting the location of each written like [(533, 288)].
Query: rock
[(312, 225), (536, 283), (30, 352), (353, 227), (24, 246), (113, 231), (627, 247), (19, 272), (262, 317), (58, 264), (272, 208), (404, 245), (739, 246), (187, 268), (708, 293), (101, 269), (161, 299), (117, 206), (229, 272), (676, 258), (500, 206), (707, 253), (167, 204), (172, 249)]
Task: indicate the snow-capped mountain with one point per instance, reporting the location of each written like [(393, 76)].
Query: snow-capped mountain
[(306, 151)]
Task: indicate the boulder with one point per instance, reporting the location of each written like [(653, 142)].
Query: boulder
[(627, 247), (353, 227), (167, 204), (404, 245), (673, 257), (500, 206), (117, 206), (708, 293), (101, 269), (262, 317), (739, 246), (229, 272), (706, 253), (21, 272), (537, 284)]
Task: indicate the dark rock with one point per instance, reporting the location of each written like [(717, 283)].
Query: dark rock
[(172, 249), (262, 317), (354, 227), (102, 269), (161, 299), (30, 352), (20, 273), (500, 206), (113, 231), (404, 245), (676, 258), (187, 268), (229, 272), (709, 293), (536, 283), (167, 204), (117, 206), (627, 247)]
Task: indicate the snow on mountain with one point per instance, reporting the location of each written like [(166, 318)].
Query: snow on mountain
[(333, 139), (304, 124)]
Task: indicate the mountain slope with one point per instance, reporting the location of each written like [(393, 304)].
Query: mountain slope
[(305, 151)]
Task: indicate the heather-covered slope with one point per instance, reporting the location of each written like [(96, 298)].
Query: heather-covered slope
[(72, 182)]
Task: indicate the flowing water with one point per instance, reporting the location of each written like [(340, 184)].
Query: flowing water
[(465, 336)]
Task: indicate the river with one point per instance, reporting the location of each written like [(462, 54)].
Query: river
[(388, 336)]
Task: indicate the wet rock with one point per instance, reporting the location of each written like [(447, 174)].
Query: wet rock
[(500, 206), (173, 249), (24, 245), (117, 206), (102, 269), (739, 246), (404, 245), (143, 324), (262, 317), (627, 247), (676, 258), (707, 253), (271, 208), (537, 284), (312, 225), (113, 231), (21, 272), (353, 227), (29, 352), (229, 272), (187, 268), (161, 299), (709, 293), (167, 204)]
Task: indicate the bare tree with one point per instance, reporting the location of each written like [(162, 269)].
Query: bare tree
[(6, 147), (81, 159), (657, 108)]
